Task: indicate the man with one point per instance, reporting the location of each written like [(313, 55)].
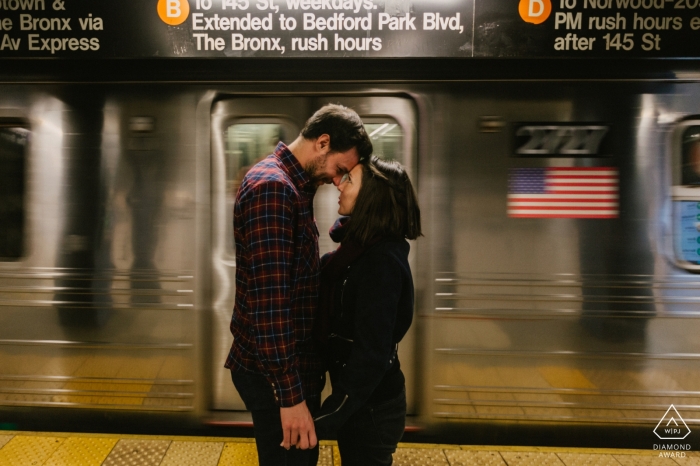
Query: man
[(272, 360)]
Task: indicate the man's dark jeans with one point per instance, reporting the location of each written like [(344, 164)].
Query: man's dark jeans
[(370, 436), (259, 399)]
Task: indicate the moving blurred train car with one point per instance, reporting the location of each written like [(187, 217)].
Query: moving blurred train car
[(557, 286)]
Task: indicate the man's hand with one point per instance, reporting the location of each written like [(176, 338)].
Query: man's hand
[(298, 427)]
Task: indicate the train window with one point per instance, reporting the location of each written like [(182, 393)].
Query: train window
[(247, 141), (686, 196), (687, 239), (387, 138), (14, 140), (690, 173)]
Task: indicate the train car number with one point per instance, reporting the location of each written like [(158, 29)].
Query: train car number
[(553, 140)]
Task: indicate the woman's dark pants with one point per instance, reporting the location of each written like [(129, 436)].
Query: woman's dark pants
[(370, 436)]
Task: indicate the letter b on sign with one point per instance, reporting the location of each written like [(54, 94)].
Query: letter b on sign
[(172, 9), (173, 12), (535, 11)]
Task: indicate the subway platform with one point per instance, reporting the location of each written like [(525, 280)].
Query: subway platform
[(75, 449)]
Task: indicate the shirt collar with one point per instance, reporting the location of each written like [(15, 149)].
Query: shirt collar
[(296, 172)]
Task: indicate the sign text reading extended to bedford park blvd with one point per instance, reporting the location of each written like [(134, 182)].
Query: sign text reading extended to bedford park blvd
[(359, 28)]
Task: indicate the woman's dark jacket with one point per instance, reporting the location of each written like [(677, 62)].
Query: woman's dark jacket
[(372, 309)]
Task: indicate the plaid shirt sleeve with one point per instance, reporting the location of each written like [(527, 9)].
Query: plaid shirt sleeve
[(269, 221)]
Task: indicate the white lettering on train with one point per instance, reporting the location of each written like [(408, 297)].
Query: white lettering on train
[(338, 22), (397, 23), (435, 22), (29, 23), (55, 44), (14, 5), (351, 44), (310, 44), (355, 5), (242, 23), (9, 43), (240, 42)]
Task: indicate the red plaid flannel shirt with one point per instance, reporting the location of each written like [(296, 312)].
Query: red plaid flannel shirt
[(277, 278)]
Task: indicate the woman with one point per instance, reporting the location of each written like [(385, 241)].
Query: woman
[(366, 304)]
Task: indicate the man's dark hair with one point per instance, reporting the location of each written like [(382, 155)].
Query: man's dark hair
[(386, 205), (344, 127)]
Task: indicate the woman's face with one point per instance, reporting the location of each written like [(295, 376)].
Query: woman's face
[(349, 187)]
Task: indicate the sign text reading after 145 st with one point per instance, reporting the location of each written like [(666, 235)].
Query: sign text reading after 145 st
[(647, 19)]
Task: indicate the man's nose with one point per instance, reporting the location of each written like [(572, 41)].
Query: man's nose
[(336, 180)]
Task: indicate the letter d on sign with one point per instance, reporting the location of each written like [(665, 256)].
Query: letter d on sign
[(535, 11), (174, 12)]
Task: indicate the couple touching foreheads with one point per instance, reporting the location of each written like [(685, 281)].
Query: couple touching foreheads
[(298, 316)]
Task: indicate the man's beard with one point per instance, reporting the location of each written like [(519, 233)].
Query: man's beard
[(314, 168)]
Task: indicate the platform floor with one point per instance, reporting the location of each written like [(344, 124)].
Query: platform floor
[(58, 449)]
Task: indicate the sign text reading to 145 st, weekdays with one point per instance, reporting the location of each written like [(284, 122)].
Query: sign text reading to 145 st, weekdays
[(642, 26)]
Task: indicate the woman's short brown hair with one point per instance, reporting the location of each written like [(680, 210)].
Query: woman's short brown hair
[(386, 205)]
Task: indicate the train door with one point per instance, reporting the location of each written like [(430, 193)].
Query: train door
[(244, 131)]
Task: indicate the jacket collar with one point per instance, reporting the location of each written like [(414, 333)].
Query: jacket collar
[(291, 165)]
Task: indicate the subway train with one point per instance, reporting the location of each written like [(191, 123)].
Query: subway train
[(557, 286)]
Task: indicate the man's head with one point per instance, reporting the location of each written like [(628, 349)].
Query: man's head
[(339, 142)]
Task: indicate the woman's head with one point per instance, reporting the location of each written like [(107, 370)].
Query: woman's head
[(380, 198)]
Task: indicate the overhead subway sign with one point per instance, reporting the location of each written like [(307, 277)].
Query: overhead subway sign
[(349, 28)]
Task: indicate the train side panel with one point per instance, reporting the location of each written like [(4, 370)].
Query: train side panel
[(114, 300), (98, 311), (556, 319)]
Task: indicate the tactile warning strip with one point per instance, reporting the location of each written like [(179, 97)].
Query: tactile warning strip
[(25, 450), (688, 461), (583, 459), (325, 456), (193, 454), (4, 439), (82, 451), (636, 460), (336, 456), (239, 454), (133, 452), (420, 457), (59, 449), (531, 458), (475, 458)]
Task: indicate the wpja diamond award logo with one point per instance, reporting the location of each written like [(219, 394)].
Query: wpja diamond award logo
[(672, 427)]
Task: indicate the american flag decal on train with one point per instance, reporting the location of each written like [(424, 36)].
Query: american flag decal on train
[(563, 192)]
